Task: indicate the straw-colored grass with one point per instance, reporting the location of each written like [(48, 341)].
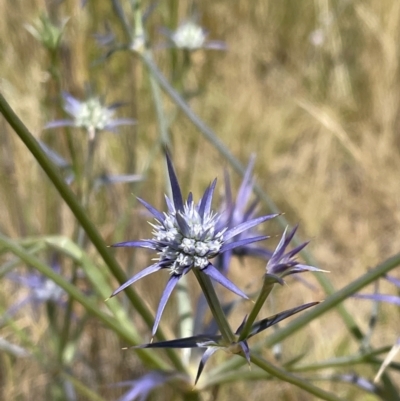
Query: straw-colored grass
[(311, 87)]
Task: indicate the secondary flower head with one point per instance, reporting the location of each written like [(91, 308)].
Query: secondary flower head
[(283, 264), (91, 115), (41, 290), (187, 237)]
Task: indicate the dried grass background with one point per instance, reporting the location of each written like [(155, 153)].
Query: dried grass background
[(312, 87)]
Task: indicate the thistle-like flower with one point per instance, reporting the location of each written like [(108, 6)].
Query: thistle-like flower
[(90, 115), (284, 264), (187, 237)]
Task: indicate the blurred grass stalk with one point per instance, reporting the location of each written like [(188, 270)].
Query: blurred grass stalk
[(83, 219)]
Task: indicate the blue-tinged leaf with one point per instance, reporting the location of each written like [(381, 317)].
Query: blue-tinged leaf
[(54, 156), (280, 249), (170, 205), (299, 268), (157, 214), (187, 342), (183, 225), (176, 190), (206, 201), (240, 328), (358, 381), (212, 272), (296, 250), (145, 272), (393, 280), (250, 210), (172, 282), (149, 244), (392, 299), (231, 245), (246, 225), (209, 351), (141, 388), (246, 350), (246, 185), (270, 321), (59, 123)]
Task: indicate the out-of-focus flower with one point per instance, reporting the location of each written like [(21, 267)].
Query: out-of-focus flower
[(142, 387), (91, 114), (47, 33), (234, 212), (41, 289), (283, 264), (187, 237), (191, 36)]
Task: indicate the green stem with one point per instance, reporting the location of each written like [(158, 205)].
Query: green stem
[(307, 317), (86, 189), (290, 378), (185, 314), (215, 306), (80, 214), (268, 284)]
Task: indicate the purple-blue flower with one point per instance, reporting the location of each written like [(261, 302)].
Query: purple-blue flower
[(187, 237), (283, 264), (91, 115), (42, 290)]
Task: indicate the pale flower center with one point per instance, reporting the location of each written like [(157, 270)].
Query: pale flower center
[(189, 36), (191, 247)]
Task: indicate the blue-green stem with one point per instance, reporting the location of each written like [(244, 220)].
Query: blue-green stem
[(80, 214), (341, 362), (268, 284), (209, 134), (87, 185), (215, 306), (184, 303), (290, 378), (331, 302)]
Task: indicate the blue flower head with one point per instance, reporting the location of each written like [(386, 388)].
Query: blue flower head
[(187, 237)]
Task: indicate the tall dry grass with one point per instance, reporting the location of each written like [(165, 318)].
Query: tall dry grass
[(311, 87)]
